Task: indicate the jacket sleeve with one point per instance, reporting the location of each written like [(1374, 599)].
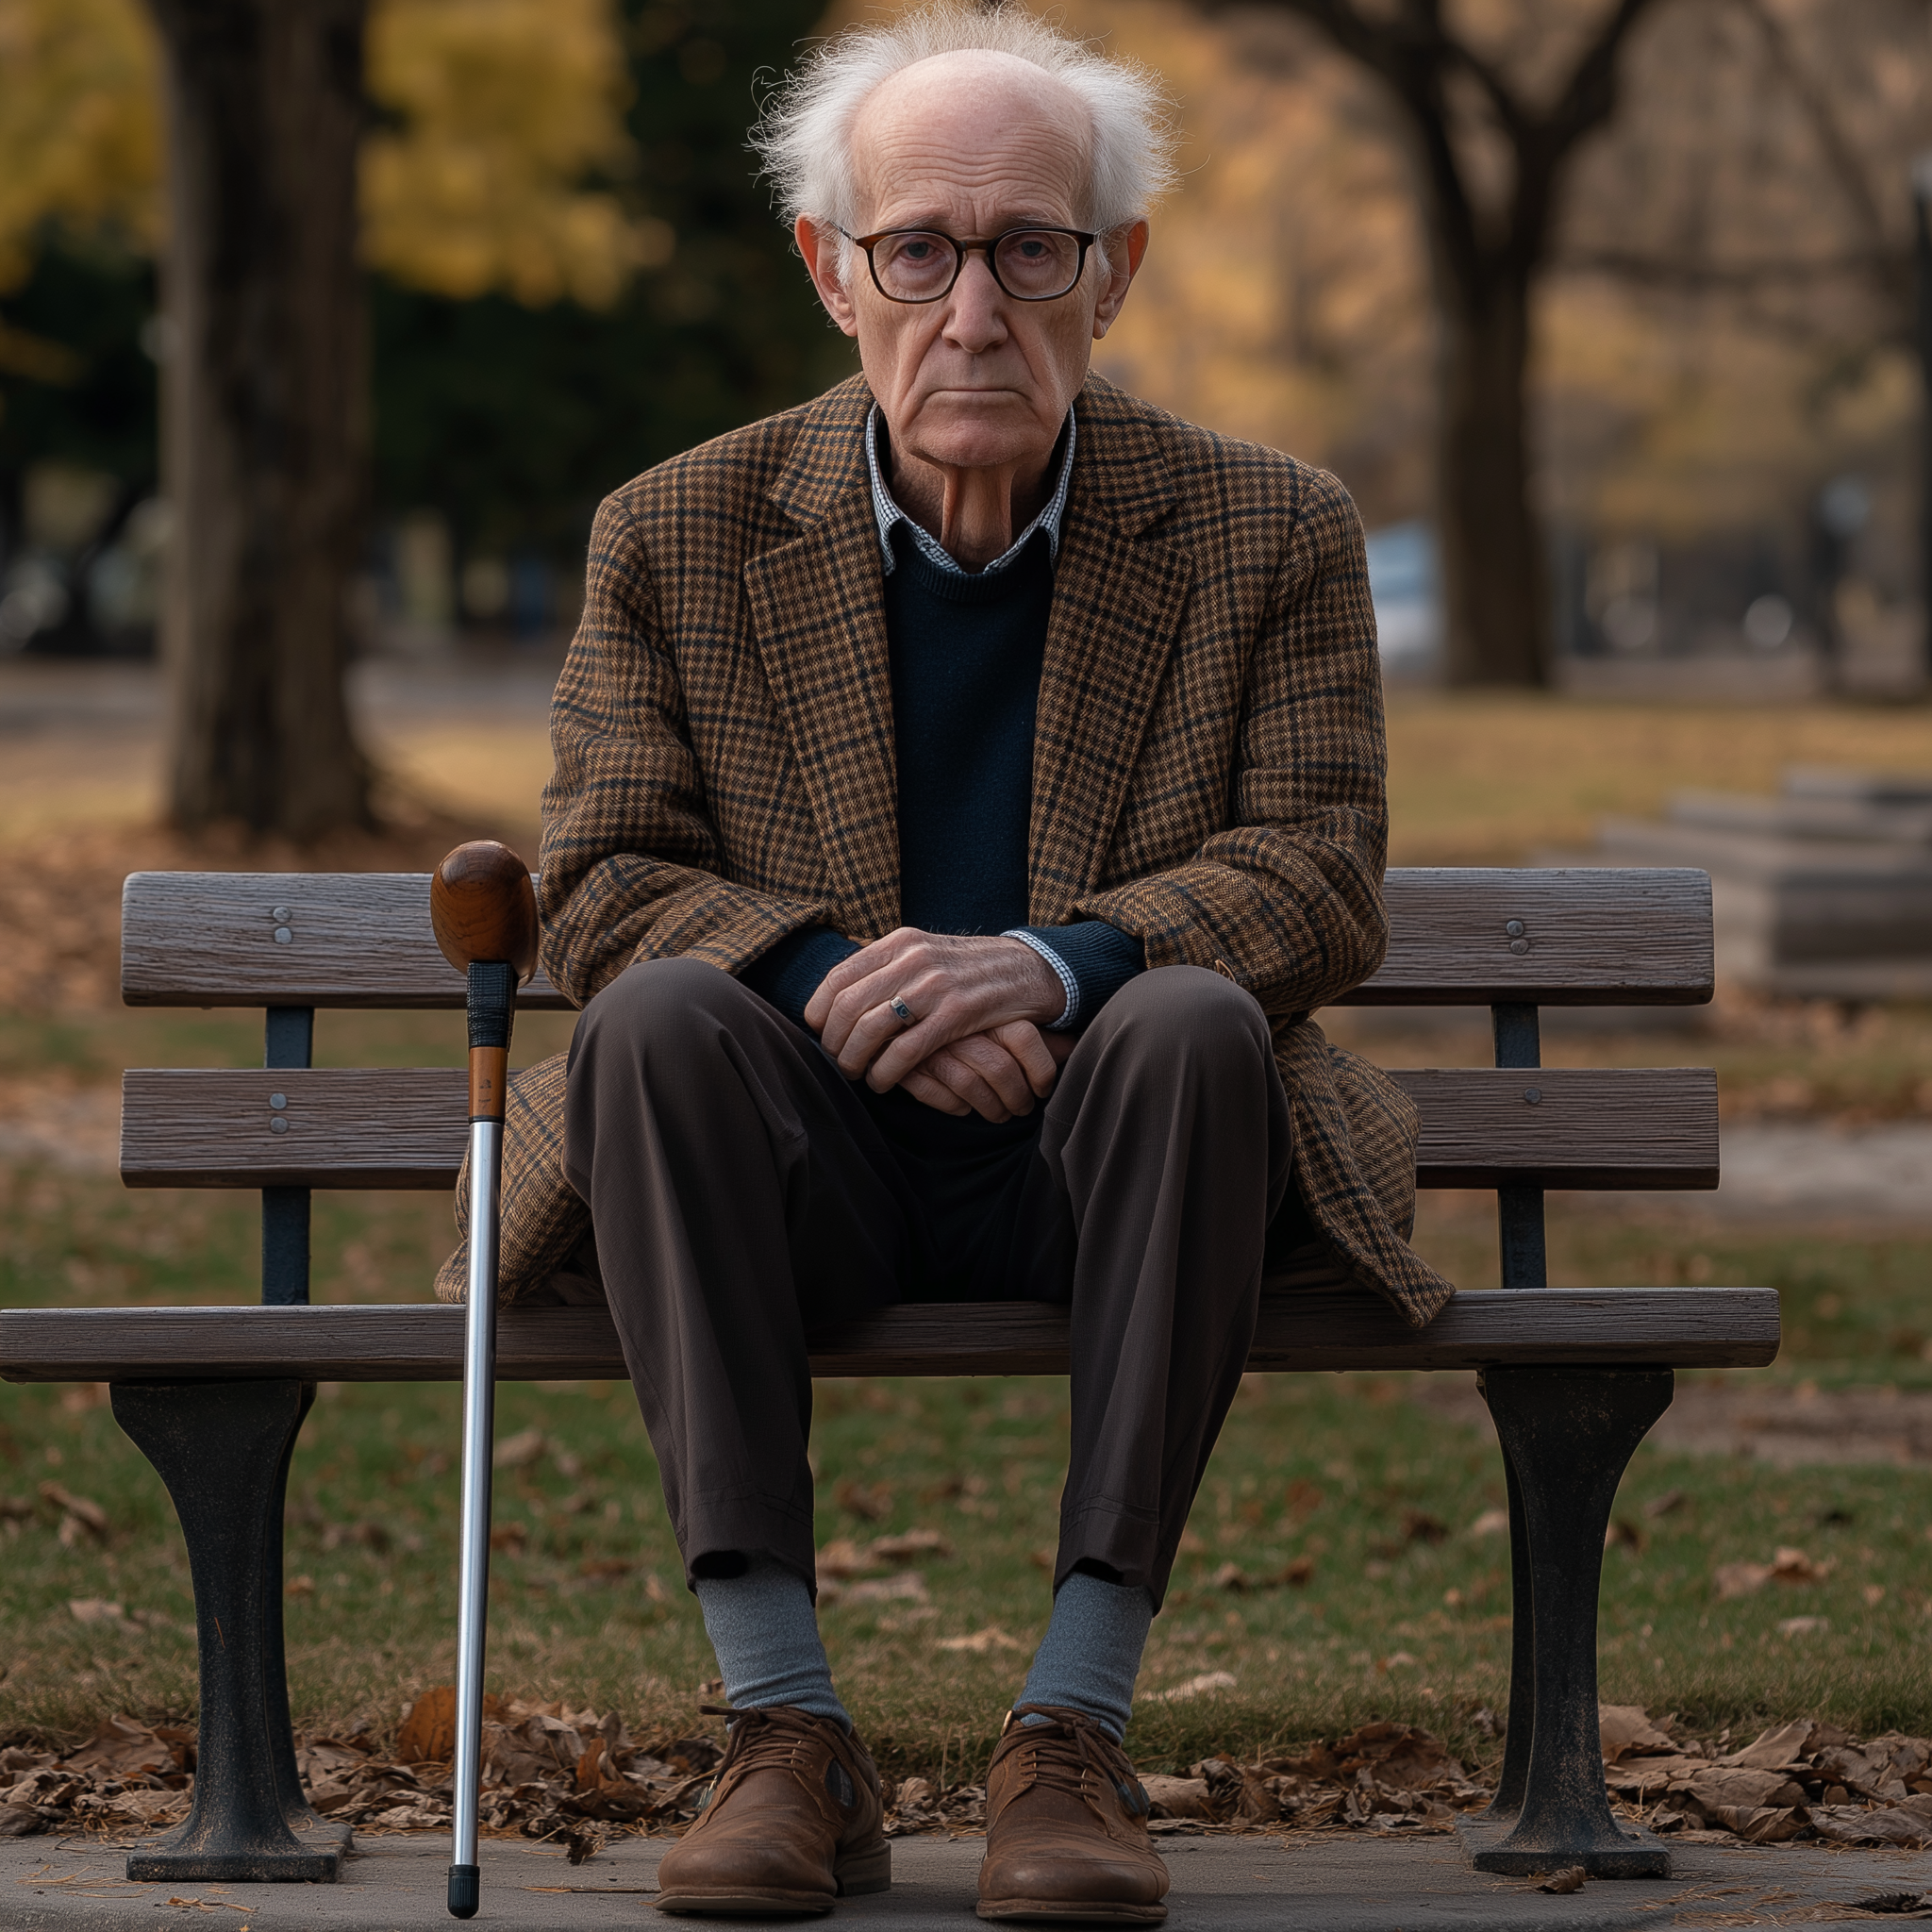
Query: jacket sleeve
[(631, 861), (1287, 898)]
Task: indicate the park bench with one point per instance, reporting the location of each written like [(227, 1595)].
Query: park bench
[(1574, 1378)]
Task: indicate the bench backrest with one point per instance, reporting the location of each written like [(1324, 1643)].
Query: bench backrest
[(1512, 940)]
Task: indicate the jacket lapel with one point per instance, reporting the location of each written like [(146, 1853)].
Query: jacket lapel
[(818, 615), (1117, 607)]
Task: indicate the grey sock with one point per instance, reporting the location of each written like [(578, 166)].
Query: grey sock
[(766, 1633), (1091, 1653)]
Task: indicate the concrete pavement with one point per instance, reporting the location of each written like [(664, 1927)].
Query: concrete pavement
[(1221, 1884)]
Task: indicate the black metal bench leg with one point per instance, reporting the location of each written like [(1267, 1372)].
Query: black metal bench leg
[(222, 1449), (1569, 1433)]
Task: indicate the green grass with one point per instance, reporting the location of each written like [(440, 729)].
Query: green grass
[(1403, 1615), (1345, 1472)]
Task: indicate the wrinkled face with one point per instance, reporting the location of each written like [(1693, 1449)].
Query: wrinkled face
[(973, 144)]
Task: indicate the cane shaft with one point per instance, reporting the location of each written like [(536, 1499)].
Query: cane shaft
[(484, 915), (479, 1403)]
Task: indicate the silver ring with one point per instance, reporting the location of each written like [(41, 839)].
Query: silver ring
[(902, 1011)]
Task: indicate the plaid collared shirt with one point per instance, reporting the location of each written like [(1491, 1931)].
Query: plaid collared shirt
[(889, 513)]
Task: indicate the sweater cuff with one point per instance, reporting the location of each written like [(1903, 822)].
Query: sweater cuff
[(788, 975), (1094, 960)]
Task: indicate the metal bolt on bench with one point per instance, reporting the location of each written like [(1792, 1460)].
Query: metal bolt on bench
[(1572, 1376)]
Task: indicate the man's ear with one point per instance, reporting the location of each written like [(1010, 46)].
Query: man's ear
[(819, 247), (1124, 248)]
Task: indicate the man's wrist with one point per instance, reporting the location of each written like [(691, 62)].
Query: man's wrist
[(1055, 1020)]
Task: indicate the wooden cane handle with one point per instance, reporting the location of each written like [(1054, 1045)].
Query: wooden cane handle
[(483, 908)]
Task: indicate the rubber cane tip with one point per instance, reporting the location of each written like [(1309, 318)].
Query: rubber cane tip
[(483, 908), (465, 1890)]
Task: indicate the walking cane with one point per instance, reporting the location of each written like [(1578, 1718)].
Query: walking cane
[(485, 917)]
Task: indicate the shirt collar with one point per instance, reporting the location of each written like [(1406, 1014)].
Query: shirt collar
[(890, 514)]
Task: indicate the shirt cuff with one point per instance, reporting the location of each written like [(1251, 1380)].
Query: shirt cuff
[(1094, 960), (788, 975), (1070, 987)]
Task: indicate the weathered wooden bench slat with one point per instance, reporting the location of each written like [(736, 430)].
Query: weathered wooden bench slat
[(404, 1128), (1312, 1329), (1590, 937)]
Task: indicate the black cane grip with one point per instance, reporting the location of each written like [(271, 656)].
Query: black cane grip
[(465, 1890)]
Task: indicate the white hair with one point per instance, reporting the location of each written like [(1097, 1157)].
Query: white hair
[(803, 135)]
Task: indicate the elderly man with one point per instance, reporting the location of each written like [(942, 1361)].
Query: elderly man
[(966, 785)]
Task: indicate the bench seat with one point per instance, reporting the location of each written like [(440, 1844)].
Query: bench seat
[(1312, 1328)]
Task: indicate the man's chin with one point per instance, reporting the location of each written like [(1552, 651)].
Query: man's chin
[(972, 429)]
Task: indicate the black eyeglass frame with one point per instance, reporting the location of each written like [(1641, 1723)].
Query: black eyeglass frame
[(963, 249)]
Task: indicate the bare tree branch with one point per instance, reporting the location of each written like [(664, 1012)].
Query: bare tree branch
[(1694, 275), (1847, 170)]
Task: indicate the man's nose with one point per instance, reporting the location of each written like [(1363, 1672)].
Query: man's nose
[(976, 310)]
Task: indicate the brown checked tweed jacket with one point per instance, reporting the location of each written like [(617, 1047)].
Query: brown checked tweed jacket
[(1207, 769)]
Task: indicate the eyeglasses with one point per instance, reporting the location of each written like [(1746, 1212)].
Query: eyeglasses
[(921, 264)]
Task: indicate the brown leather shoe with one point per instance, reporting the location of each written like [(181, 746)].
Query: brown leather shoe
[(792, 1822), (1067, 1828)]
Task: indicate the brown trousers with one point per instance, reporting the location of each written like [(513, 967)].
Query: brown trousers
[(742, 1193)]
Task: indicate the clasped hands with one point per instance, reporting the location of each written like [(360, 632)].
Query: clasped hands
[(975, 1042)]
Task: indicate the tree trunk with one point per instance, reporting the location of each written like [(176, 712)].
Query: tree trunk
[(1495, 582), (263, 410)]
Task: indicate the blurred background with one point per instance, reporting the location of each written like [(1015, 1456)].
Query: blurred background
[(324, 325), (567, 271)]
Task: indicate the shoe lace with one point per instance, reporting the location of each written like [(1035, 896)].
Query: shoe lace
[(760, 1739), (1065, 1747)]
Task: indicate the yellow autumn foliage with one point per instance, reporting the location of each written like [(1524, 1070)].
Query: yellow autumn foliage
[(78, 124), (502, 110), (505, 108)]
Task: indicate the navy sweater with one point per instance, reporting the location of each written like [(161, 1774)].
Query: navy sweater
[(966, 653)]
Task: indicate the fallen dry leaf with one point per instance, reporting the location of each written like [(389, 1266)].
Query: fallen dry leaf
[(1740, 1579), (429, 1733), (1782, 1748), (907, 1545), (908, 1587), (1491, 1522), (93, 1610), (1178, 1797), (981, 1641), (1295, 1574), (1419, 1527), (1194, 1687), (80, 1516), (518, 1451), (1795, 1566), (1565, 1881), (1627, 1731), (841, 1559), (866, 1501)]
